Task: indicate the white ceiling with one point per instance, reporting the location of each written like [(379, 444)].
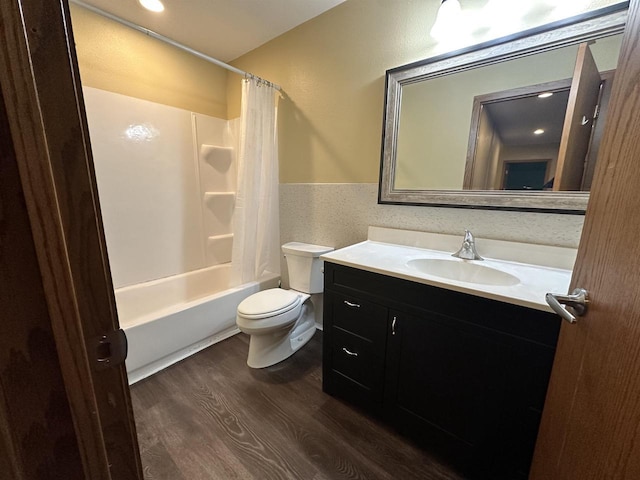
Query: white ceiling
[(515, 120), (223, 29)]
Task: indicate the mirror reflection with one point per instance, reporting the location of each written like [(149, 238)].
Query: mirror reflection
[(531, 123)]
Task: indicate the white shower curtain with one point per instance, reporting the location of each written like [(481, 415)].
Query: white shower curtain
[(256, 228)]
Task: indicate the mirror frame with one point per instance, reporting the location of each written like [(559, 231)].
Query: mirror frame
[(586, 27)]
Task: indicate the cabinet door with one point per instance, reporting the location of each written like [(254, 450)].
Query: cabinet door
[(445, 384), (530, 367)]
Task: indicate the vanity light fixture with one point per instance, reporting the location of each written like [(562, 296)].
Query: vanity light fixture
[(539, 131), (153, 5), (545, 95), (448, 18)]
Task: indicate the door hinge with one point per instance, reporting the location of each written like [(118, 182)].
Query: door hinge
[(109, 350)]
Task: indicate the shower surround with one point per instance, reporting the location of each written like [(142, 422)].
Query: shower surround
[(167, 185)]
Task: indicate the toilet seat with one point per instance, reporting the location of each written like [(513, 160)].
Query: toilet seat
[(268, 303)]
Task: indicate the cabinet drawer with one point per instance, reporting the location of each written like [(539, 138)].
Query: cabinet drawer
[(359, 360), (365, 319)]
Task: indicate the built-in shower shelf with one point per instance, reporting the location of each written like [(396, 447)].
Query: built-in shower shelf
[(218, 189), (216, 156), (218, 195), (220, 237), (217, 169), (218, 213), (219, 249)]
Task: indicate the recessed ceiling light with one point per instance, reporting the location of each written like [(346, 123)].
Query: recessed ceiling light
[(538, 131), (545, 95), (153, 5)]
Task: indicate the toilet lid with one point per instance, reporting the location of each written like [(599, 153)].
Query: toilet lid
[(268, 303)]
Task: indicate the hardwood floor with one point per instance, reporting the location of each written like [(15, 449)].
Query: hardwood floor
[(212, 417)]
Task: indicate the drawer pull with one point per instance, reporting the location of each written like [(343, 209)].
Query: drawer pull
[(349, 352), (393, 326), (349, 304)]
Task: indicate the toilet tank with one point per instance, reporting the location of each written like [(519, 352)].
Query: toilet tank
[(304, 266)]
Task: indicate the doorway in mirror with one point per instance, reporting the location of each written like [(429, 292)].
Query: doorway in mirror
[(560, 121), (525, 175)]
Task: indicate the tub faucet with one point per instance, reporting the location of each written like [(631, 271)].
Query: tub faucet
[(468, 249)]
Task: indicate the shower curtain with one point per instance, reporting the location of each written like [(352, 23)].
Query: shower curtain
[(256, 227)]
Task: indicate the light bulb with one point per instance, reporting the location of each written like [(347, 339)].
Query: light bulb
[(447, 20), (153, 5)]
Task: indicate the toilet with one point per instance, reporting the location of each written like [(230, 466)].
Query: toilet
[(281, 321)]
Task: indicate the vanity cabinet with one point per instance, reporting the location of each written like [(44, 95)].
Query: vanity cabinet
[(463, 375)]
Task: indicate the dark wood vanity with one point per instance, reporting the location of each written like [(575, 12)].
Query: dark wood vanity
[(464, 376)]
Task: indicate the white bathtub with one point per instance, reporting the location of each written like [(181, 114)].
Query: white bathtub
[(169, 319)]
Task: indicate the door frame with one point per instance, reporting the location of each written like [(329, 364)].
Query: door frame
[(42, 91), (479, 103)]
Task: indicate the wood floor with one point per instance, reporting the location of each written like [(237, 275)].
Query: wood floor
[(212, 417)]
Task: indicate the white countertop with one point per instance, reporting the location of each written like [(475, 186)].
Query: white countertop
[(549, 273)]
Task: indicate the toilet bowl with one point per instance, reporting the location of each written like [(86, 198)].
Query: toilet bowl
[(281, 321)]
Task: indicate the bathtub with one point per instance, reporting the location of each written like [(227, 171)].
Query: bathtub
[(169, 319)]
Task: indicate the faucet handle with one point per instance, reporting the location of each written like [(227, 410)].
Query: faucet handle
[(468, 249), (468, 236)]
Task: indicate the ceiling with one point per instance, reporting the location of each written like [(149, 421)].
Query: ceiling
[(223, 29), (515, 120)]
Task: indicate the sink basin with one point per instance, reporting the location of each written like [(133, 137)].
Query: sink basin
[(463, 271)]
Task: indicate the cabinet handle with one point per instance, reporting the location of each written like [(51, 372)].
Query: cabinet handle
[(349, 304), (349, 352), (393, 325)]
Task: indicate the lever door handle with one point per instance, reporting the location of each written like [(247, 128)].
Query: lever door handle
[(578, 301)]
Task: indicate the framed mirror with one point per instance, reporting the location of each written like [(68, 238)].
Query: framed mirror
[(510, 124)]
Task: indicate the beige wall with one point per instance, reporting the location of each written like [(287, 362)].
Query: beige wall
[(119, 59), (332, 72)]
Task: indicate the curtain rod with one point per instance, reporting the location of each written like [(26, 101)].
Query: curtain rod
[(162, 38)]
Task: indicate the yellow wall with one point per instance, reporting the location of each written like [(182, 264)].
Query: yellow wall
[(332, 71), (119, 59)]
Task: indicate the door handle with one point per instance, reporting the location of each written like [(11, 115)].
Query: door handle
[(578, 301)]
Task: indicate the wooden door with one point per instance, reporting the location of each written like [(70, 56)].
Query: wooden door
[(591, 421), (578, 122), (50, 144)]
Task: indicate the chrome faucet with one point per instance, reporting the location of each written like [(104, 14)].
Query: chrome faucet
[(468, 249)]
